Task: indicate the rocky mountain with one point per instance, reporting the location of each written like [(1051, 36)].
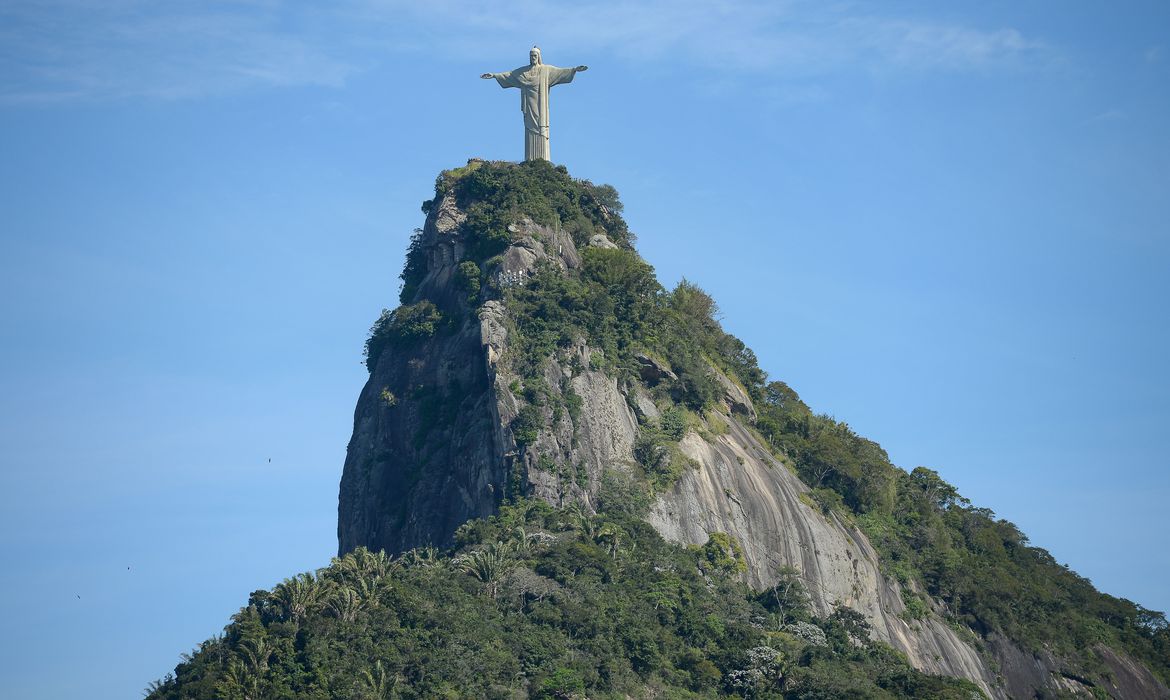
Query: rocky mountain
[(566, 481), (534, 356)]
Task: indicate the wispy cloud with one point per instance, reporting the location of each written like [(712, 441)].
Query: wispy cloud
[(928, 45), (1109, 115), (66, 49), (799, 37)]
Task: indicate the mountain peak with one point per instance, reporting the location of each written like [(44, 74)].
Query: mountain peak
[(565, 478)]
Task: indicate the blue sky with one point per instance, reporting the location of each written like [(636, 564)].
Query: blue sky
[(944, 224)]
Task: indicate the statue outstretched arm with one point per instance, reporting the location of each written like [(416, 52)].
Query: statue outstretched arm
[(560, 76), (506, 80)]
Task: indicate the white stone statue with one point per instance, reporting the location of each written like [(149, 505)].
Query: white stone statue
[(534, 80)]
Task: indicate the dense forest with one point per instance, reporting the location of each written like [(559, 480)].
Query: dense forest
[(550, 604), (564, 603)]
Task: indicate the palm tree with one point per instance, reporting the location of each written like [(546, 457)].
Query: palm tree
[(524, 542), (424, 557), (346, 603), (367, 591), (255, 653), (239, 682), (574, 513), (377, 684), (488, 565), (300, 595), (361, 562), (610, 537), (582, 521), (153, 687)]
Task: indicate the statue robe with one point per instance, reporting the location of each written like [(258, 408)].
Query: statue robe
[(534, 82)]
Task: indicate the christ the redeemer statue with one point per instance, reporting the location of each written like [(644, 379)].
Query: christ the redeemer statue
[(534, 80)]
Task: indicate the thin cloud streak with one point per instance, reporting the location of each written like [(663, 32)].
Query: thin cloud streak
[(68, 50), (65, 50), (806, 38)]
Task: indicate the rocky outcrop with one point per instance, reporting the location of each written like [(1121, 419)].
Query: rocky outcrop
[(425, 455), (1044, 674), (425, 451), (740, 489), (652, 370), (434, 445), (735, 397)]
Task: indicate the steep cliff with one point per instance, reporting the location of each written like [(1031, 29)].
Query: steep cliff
[(493, 381)]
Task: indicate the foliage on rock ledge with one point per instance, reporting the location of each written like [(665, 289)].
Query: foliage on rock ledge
[(544, 603), (407, 324)]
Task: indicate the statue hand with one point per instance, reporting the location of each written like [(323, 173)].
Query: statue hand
[(486, 76), (581, 68)]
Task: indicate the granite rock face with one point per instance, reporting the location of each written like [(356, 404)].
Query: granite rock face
[(433, 446), (740, 489)]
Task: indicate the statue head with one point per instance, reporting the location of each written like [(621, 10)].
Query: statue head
[(534, 56)]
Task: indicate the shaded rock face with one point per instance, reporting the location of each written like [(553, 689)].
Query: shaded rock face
[(1028, 675), (424, 456), (433, 447), (425, 451)]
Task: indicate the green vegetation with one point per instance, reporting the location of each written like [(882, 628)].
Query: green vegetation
[(659, 456), (415, 268), (723, 553), (526, 426), (495, 195), (469, 278), (617, 305), (405, 325), (543, 603), (982, 567)]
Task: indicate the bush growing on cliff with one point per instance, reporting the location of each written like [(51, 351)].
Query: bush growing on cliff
[(673, 423), (527, 424), (469, 278), (723, 553), (377, 340), (415, 268), (404, 325), (659, 458)]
